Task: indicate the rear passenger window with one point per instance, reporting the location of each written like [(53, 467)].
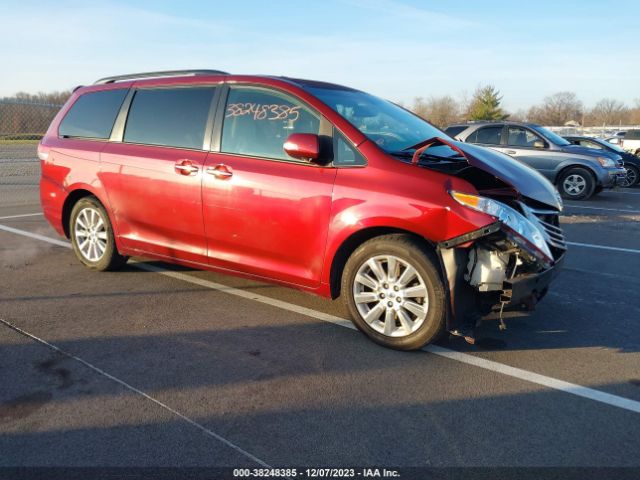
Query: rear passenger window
[(257, 122), (172, 117), (486, 135), (92, 115)]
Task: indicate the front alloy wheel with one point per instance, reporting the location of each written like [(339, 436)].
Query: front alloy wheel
[(576, 184), (394, 291), (631, 178), (390, 295)]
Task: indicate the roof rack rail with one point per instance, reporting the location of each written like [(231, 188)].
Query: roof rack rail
[(166, 73)]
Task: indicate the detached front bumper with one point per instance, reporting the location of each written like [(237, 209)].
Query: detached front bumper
[(527, 289), (504, 276)]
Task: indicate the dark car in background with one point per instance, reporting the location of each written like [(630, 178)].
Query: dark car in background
[(631, 163), (577, 172)]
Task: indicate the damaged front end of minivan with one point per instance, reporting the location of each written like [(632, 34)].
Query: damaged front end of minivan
[(506, 264)]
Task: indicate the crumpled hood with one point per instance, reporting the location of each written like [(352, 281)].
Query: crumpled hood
[(522, 178)]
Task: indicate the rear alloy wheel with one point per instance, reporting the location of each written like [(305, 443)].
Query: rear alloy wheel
[(92, 236), (394, 293), (576, 184), (632, 176)]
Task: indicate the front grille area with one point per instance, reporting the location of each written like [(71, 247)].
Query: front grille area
[(550, 223)]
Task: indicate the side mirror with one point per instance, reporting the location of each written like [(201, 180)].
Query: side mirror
[(303, 146), (538, 144)]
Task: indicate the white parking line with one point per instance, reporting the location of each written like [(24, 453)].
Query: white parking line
[(601, 208), (624, 193), (543, 380), (603, 247), (21, 216), (139, 392), (35, 236)]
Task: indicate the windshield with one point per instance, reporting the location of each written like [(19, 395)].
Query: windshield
[(606, 144), (391, 127), (552, 137)]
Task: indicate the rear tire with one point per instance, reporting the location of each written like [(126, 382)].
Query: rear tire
[(393, 290), (577, 183), (92, 236)]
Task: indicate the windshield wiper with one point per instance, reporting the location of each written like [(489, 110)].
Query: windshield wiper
[(408, 154)]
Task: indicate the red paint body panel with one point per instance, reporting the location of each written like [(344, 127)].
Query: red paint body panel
[(157, 209), (269, 218), (274, 220)]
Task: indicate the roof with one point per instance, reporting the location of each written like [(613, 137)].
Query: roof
[(302, 83), (491, 122)]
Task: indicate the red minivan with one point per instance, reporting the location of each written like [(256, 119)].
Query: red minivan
[(306, 184)]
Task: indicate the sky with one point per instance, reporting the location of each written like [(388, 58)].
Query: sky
[(397, 49)]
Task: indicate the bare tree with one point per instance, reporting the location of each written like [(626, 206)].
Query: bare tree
[(634, 113), (557, 109), (440, 111), (608, 112), (519, 115)]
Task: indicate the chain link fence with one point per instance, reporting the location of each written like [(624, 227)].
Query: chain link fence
[(22, 124)]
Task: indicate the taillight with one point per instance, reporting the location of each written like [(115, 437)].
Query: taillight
[(43, 152)]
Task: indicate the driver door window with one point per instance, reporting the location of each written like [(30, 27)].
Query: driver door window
[(522, 137), (258, 121)]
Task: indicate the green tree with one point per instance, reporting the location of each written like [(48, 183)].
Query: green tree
[(485, 105)]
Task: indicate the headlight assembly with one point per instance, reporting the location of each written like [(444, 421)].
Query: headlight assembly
[(606, 162), (525, 233)]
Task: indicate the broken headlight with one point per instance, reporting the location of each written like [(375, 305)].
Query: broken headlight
[(527, 235)]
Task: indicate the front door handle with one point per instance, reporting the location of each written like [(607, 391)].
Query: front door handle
[(220, 171), (510, 152), (185, 167)]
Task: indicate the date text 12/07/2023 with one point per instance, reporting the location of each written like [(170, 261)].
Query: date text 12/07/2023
[(316, 473)]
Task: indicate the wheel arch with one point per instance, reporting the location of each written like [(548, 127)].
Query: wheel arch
[(564, 169), (353, 241), (74, 197)]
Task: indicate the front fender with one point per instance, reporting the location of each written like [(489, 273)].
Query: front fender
[(592, 166)]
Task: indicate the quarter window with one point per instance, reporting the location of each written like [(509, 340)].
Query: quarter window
[(92, 115), (522, 137), (257, 122), (344, 154), (487, 135), (174, 117)]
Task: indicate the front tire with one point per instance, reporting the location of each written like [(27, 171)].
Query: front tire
[(576, 184), (393, 290), (633, 175), (92, 236)]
